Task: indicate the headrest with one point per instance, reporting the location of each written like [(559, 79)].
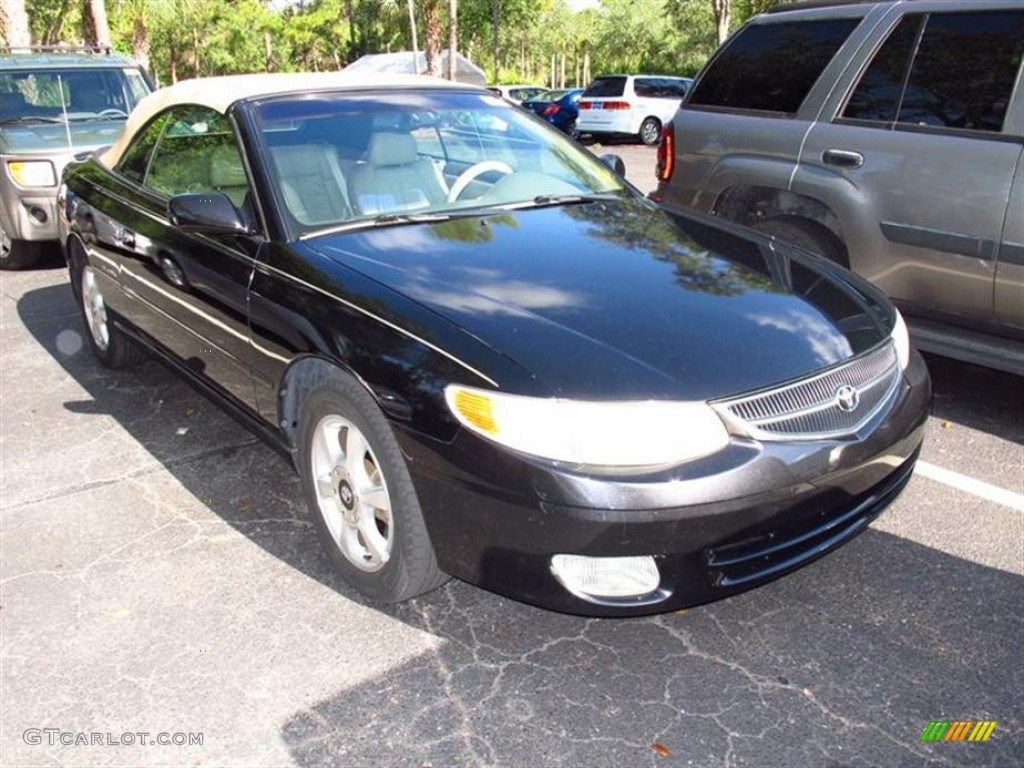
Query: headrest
[(301, 159), (392, 149), (226, 169)]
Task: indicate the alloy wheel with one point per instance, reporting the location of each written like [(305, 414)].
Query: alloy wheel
[(351, 493), (95, 309)]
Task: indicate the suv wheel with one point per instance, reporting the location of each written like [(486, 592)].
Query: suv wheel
[(805, 234), (16, 254), (650, 131)]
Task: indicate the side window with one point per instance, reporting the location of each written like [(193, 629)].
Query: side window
[(964, 70), (198, 153), (771, 67), (138, 88), (877, 96), (136, 160), (605, 86)]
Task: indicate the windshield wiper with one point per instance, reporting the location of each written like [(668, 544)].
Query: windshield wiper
[(31, 119), (574, 197), (383, 220)]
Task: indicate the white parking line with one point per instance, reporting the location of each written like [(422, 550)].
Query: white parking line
[(970, 485)]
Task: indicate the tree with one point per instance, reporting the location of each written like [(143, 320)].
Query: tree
[(432, 36), (453, 39), (94, 22), (14, 23), (723, 13)]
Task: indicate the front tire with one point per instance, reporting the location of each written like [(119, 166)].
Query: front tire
[(17, 254), (650, 131), (359, 493)]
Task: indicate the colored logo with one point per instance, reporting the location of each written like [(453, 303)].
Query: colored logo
[(958, 730)]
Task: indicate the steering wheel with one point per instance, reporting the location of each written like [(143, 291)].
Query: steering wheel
[(113, 113), (471, 173)]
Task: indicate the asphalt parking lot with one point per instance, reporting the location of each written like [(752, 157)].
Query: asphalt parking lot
[(158, 574)]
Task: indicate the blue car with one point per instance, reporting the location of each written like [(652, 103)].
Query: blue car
[(559, 108)]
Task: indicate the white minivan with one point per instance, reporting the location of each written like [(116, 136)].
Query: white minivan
[(630, 105)]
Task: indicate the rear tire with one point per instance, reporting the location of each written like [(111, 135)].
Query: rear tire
[(805, 234), (650, 131), (360, 495), (110, 345)]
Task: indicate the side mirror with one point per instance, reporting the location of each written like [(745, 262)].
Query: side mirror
[(615, 163), (211, 213)]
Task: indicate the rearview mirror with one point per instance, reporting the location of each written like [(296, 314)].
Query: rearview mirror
[(614, 162), (206, 212)]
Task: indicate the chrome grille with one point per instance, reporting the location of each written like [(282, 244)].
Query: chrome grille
[(821, 405)]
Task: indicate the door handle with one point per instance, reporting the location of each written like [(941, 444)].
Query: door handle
[(842, 158), (124, 237)]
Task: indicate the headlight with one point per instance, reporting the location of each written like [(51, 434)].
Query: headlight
[(901, 340), (32, 173), (628, 434)]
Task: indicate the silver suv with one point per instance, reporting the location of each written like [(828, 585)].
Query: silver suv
[(54, 104), (886, 136)]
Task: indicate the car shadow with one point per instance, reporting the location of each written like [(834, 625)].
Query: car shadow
[(980, 398), (245, 482), (844, 662)]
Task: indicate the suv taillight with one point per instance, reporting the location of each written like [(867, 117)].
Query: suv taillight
[(666, 158), (615, 105)]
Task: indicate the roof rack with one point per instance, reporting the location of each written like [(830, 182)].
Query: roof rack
[(806, 5), (101, 50)]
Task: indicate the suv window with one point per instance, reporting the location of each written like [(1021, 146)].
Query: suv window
[(84, 93), (961, 77), (771, 67), (606, 86), (660, 87), (877, 95), (964, 71)]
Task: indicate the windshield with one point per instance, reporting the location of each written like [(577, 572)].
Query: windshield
[(88, 94), (359, 159)]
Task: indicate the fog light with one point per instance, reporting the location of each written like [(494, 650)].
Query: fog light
[(606, 577), (38, 214)]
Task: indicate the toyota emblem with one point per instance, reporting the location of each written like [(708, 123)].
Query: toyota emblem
[(847, 398)]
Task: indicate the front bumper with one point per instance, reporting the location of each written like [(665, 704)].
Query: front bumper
[(29, 213), (715, 527)]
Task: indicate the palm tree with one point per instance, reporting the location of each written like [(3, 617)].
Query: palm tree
[(14, 23), (94, 21), (453, 39)]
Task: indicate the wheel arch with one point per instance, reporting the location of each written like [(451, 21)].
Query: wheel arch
[(298, 380), (749, 204)]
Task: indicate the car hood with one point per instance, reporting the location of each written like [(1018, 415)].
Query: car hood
[(50, 138), (624, 300)]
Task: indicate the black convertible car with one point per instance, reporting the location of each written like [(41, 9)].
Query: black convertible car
[(486, 353)]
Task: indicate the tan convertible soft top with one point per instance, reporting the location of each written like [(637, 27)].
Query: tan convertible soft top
[(219, 93)]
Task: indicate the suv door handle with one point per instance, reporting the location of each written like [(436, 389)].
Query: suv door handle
[(842, 158), (124, 237)]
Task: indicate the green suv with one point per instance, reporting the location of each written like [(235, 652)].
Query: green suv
[(54, 104)]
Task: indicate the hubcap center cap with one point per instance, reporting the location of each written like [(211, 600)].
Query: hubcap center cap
[(346, 494)]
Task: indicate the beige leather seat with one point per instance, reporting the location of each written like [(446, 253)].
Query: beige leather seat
[(395, 178), (227, 174), (312, 183)]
